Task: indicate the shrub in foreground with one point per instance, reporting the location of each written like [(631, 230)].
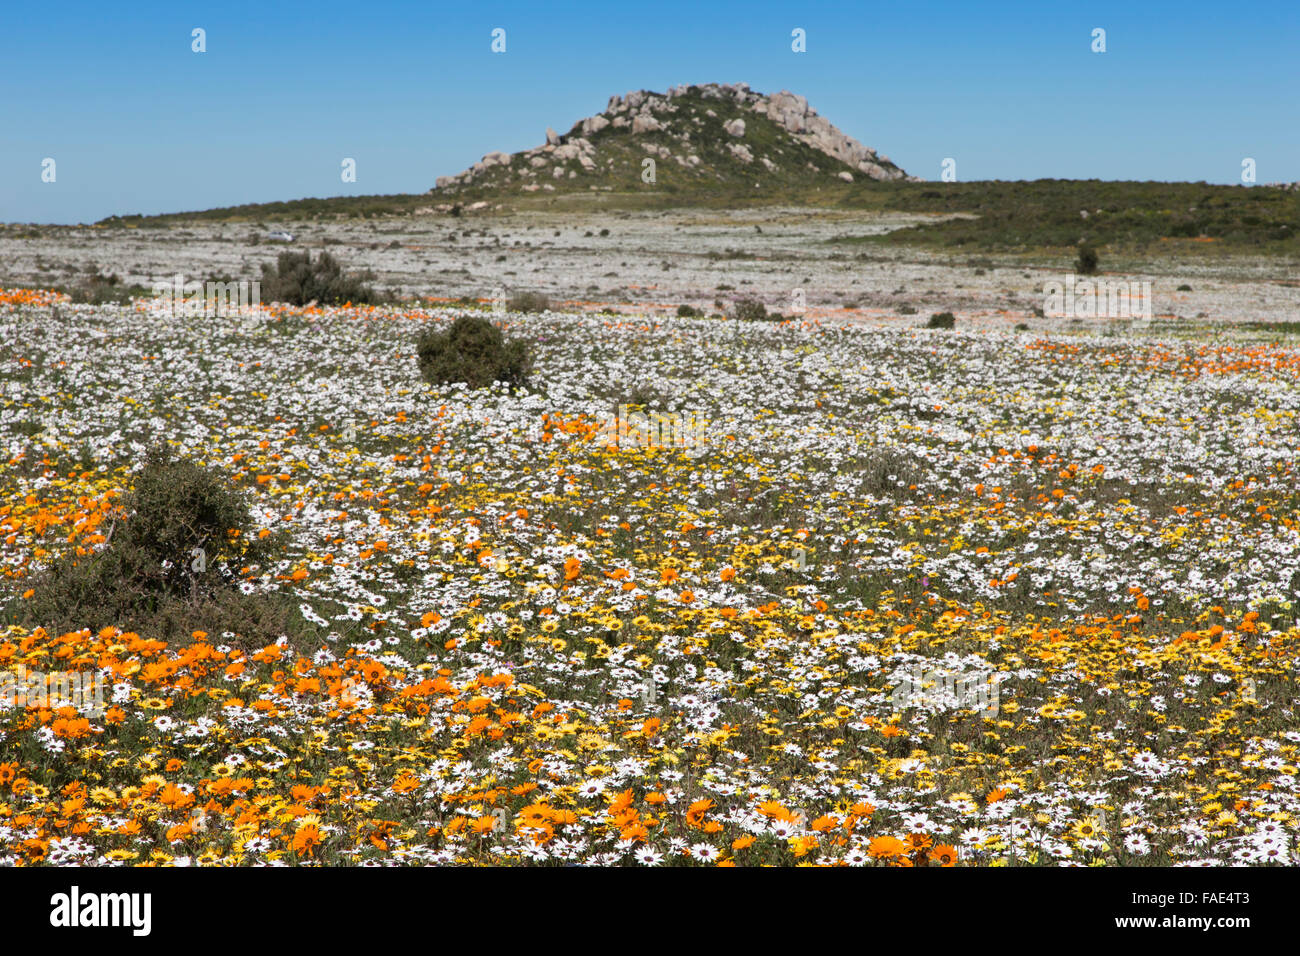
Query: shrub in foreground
[(171, 565)]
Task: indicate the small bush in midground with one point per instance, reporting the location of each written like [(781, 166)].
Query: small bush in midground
[(528, 302), (687, 312), (172, 565), (749, 309), (297, 279), (942, 320), (1086, 264), (472, 351)]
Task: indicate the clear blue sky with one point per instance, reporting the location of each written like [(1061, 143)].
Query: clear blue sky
[(138, 123)]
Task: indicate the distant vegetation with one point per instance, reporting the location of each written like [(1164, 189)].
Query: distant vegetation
[(749, 309), (344, 207), (1045, 214), (298, 280), (1086, 263), (100, 289), (529, 302), (1128, 215)]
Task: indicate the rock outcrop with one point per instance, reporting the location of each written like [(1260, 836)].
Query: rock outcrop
[(669, 126)]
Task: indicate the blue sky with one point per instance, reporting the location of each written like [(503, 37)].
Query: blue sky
[(138, 123)]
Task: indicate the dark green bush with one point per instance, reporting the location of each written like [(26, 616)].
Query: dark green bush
[(749, 308), (472, 350), (687, 312), (297, 280), (177, 506), (1086, 263), (942, 320), (171, 565)]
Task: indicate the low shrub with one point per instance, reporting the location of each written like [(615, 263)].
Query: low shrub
[(942, 320), (297, 280), (472, 350), (171, 565), (1086, 263), (528, 302), (749, 309)]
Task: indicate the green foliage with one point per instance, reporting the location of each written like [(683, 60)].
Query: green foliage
[(170, 566), (749, 309), (472, 350), (942, 320), (1132, 216), (352, 207), (177, 506), (1086, 263), (687, 312), (298, 280)]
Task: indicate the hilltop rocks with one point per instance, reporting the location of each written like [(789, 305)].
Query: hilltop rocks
[(645, 123), (793, 113), (593, 124), (641, 112)]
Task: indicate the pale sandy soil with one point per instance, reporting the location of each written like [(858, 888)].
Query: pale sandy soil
[(658, 260)]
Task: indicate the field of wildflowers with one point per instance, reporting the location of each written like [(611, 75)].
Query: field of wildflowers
[(524, 645)]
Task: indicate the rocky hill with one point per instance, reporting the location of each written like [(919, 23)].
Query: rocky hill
[(709, 136)]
